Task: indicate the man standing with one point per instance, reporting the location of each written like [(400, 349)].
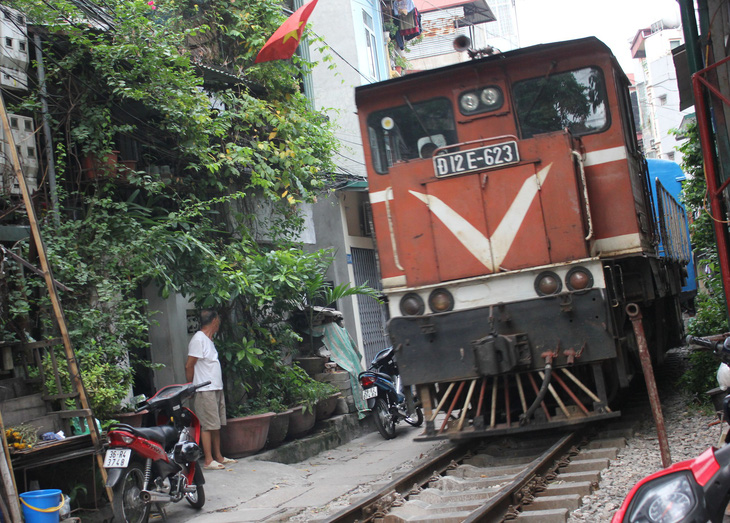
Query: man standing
[(209, 404)]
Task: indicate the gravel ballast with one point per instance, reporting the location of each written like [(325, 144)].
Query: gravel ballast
[(688, 431)]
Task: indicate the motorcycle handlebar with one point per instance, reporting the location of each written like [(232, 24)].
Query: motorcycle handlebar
[(719, 345), (704, 342)]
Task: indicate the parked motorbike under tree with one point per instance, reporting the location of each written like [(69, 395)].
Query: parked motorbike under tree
[(156, 465), (385, 397)]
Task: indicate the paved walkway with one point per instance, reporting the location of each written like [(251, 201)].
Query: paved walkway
[(254, 490)]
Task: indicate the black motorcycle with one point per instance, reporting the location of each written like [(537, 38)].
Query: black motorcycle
[(383, 391)]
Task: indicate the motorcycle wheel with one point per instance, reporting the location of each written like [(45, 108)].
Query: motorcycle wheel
[(415, 419), (127, 506), (196, 500), (383, 419)]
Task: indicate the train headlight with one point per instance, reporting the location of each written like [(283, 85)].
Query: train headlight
[(481, 100), (469, 102), (547, 283), (579, 278), (491, 96), (441, 300), (412, 305)]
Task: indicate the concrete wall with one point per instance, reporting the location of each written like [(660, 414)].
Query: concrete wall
[(169, 336), (334, 89), (330, 223)]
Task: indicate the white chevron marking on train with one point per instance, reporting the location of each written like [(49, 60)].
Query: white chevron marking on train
[(491, 252)]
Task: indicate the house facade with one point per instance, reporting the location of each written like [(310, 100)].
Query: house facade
[(357, 45), (656, 87)]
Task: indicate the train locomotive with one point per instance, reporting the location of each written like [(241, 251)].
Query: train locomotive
[(515, 221)]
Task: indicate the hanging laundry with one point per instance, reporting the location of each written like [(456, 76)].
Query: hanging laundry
[(403, 7), (411, 25), (408, 20)]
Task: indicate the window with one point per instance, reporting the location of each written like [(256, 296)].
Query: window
[(21, 45), (663, 99), (14, 122), (8, 42), (670, 156), (575, 100), (673, 44), (372, 49), (28, 125), (410, 132)]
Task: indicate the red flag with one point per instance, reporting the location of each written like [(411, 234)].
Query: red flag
[(284, 41)]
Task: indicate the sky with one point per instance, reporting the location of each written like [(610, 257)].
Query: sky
[(614, 22)]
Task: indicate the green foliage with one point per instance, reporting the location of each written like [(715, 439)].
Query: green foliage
[(132, 76), (711, 316)]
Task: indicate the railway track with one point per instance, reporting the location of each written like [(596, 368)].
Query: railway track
[(529, 478)]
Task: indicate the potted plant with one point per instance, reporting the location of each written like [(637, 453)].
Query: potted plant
[(279, 426), (246, 430), (304, 393)]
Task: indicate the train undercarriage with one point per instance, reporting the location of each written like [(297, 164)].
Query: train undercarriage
[(538, 364)]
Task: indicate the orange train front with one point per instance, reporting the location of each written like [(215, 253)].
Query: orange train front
[(514, 223)]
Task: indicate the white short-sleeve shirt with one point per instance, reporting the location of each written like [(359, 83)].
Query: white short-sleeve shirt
[(207, 367)]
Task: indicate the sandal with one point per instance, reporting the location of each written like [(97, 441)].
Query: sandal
[(226, 461), (214, 465)]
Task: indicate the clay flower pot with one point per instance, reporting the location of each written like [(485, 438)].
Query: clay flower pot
[(300, 422), (133, 419), (325, 407), (245, 436), (278, 429), (105, 166), (312, 365)]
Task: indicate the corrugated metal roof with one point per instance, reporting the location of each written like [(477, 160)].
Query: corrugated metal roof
[(480, 8)]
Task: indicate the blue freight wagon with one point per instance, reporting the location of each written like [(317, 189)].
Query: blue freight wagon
[(666, 183)]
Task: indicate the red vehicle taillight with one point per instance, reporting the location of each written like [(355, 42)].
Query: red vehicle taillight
[(367, 381), (120, 438)]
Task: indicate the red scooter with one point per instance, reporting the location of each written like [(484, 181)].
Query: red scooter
[(692, 490), (156, 465)]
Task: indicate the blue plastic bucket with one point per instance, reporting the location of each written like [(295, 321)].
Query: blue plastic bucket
[(42, 506)]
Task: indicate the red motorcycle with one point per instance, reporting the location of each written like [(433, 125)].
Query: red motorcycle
[(693, 490), (156, 465)]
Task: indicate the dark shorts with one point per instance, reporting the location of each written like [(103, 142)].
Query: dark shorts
[(210, 408)]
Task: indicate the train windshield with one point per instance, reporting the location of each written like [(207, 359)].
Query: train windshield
[(575, 100), (410, 131)]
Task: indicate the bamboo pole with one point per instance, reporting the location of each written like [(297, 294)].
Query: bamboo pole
[(8, 477), (583, 387), (53, 294), (442, 402), (466, 404)]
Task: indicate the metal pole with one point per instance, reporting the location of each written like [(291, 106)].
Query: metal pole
[(656, 407), (710, 162), (48, 141)]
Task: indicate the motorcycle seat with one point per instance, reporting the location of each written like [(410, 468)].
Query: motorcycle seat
[(166, 435), (383, 375)]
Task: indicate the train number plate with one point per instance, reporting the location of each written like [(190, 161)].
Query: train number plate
[(369, 393), (117, 458), (487, 157)]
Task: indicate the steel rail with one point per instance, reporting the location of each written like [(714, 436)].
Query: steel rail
[(366, 509), (497, 506)]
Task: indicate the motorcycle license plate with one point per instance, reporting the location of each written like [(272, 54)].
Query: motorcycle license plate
[(117, 458), (369, 393)]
